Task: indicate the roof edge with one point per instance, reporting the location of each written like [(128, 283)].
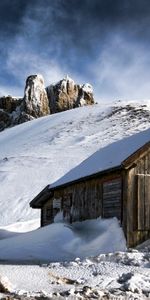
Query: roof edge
[(88, 177), (41, 198), (133, 157)]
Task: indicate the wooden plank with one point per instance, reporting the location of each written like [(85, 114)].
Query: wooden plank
[(147, 202), (148, 170), (112, 198), (141, 200)]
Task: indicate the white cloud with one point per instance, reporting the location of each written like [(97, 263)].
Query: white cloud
[(123, 70)]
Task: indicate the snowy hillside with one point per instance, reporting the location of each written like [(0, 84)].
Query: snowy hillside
[(37, 153)]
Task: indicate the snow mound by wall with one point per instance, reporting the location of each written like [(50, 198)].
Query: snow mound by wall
[(62, 242), (17, 228)]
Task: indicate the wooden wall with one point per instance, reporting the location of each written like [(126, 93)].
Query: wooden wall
[(88, 199), (124, 194), (136, 198)]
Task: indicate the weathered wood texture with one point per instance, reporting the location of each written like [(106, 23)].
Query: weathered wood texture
[(124, 194), (138, 201), (87, 200), (143, 202), (112, 191)]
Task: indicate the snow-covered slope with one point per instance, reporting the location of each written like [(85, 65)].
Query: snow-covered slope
[(39, 152)]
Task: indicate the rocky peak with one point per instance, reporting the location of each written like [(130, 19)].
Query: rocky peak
[(66, 94), (38, 101), (35, 101)]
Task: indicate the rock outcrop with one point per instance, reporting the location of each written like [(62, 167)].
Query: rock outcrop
[(67, 95), (5, 120), (9, 103), (35, 101), (38, 101)]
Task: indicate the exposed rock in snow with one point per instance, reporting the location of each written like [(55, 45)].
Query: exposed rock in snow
[(5, 120), (5, 285), (66, 94), (35, 100), (8, 106), (9, 103)]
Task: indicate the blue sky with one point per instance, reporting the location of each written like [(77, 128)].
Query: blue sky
[(103, 42)]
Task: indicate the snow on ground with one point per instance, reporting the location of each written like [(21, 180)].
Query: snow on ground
[(121, 274), (16, 228), (63, 242), (39, 152), (85, 260)]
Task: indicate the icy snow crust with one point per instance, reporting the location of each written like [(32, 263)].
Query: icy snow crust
[(37, 153)]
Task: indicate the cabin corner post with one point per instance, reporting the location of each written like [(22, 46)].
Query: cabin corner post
[(124, 202), (130, 199), (138, 201), (42, 217)]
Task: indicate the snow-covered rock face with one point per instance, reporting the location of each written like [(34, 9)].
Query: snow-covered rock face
[(66, 95), (35, 97)]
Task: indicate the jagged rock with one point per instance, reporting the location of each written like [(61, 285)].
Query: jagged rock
[(5, 120), (9, 103), (38, 101), (66, 95), (35, 101)]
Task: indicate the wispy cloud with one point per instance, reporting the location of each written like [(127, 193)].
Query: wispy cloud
[(106, 44), (122, 70)]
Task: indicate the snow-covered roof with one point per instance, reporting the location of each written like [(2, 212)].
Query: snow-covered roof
[(106, 158)]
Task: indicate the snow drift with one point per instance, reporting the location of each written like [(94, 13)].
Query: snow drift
[(62, 242)]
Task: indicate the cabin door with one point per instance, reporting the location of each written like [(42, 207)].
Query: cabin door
[(112, 196), (143, 201)]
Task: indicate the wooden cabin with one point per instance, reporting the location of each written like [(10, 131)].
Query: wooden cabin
[(113, 182)]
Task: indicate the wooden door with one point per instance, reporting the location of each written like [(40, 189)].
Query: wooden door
[(143, 202), (112, 196)]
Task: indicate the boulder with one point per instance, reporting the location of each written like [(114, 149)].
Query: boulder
[(66, 95), (35, 101)]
